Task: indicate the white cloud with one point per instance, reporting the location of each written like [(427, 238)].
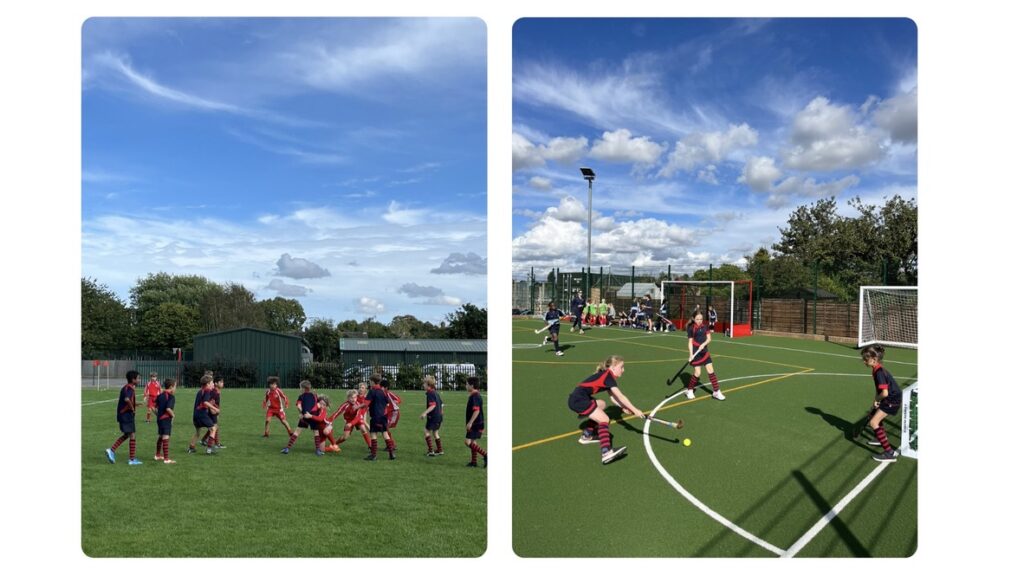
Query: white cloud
[(760, 173), (401, 216), (703, 148), (287, 290), (826, 137), (430, 294), (898, 116), (540, 183), (524, 153), (370, 306), (458, 263), (564, 150), (784, 193), (709, 175), (299, 268), (621, 147)]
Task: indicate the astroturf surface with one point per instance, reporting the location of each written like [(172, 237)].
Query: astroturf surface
[(765, 465), (249, 500)]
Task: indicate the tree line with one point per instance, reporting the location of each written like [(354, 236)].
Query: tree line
[(166, 311)]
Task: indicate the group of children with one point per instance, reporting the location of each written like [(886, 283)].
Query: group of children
[(377, 401), (888, 396)]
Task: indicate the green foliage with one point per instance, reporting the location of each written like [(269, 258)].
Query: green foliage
[(322, 339), (106, 321), (156, 289), (284, 315), (244, 375), (723, 272), (410, 377), (324, 375), (230, 306), (469, 322), (169, 325), (409, 326)]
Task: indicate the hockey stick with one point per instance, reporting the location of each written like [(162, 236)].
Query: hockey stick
[(545, 327), (677, 424), (679, 373)]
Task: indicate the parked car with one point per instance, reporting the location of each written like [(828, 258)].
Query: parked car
[(445, 373)]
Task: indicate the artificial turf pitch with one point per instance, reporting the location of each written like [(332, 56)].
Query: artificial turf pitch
[(770, 461), (249, 500)]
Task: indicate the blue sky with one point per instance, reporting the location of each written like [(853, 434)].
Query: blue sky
[(341, 162), (704, 134)]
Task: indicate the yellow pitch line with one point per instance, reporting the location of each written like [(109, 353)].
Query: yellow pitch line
[(591, 362), (738, 388)]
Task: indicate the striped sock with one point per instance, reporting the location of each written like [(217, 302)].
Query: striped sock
[(477, 449), (430, 444), (131, 448), (159, 444), (316, 441), (714, 381), (206, 438), (880, 434), (292, 439), (118, 442), (693, 382), (373, 447), (604, 436), (472, 452), (167, 448), (438, 440), (390, 443)]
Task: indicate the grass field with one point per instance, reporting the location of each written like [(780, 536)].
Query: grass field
[(766, 466), (251, 500)]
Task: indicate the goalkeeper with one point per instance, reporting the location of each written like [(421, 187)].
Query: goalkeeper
[(888, 400)]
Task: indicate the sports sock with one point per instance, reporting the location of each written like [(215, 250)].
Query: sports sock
[(693, 382), (373, 447), (472, 452), (167, 448), (159, 444), (430, 444), (330, 436), (390, 443), (476, 448), (714, 381), (604, 436), (292, 439), (131, 448), (118, 442), (880, 434), (438, 440), (367, 438)]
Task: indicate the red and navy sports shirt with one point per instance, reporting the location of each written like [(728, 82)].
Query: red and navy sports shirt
[(433, 399), (884, 381), (598, 382), (308, 403), (153, 388), (475, 404), (379, 401), (126, 400), (164, 402), (698, 333), (553, 315), (276, 399)]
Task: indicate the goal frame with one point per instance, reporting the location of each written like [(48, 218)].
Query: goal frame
[(736, 328), (861, 341), (908, 434)]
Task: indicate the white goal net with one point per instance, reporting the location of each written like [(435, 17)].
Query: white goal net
[(888, 316)]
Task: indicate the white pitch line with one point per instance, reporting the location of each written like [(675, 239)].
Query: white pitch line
[(848, 357), (806, 538), (693, 499), (100, 402)]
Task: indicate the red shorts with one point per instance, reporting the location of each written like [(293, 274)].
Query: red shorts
[(356, 423), (393, 419), (150, 402), (279, 414)]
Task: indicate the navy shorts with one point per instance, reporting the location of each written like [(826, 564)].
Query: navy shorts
[(554, 328), (890, 405), (434, 423), (163, 427), (703, 358), (379, 425), (474, 434), (202, 420), (213, 418), (127, 424), (582, 404)]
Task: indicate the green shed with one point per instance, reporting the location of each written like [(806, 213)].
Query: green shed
[(442, 358), (247, 356)]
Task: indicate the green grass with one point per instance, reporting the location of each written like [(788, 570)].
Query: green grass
[(772, 459), (250, 500)]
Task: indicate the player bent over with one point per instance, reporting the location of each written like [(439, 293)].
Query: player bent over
[(698, 339), (434, 415), (474, 421), (379, 401), (164, 418), (126, 419), (274, 402), (583, 403), (888, 400), (352, 411)]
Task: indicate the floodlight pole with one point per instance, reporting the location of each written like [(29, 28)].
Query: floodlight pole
[(589, 176)]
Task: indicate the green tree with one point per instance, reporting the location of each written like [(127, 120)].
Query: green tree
[(322, 339), (283, 315), (469, 322), (169, 325), (374, 329), (409, 326), (155, 289), (106, 320), (230, 306)]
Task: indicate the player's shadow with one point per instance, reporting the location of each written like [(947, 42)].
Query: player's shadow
[(851, 430), (563, 347), (616, 414)]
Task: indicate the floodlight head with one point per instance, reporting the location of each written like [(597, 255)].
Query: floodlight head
[(588, 174)]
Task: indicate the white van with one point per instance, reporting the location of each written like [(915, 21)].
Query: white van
[(445, 373)]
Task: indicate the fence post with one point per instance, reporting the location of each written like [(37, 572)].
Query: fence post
[(815, 309), (632, 285)]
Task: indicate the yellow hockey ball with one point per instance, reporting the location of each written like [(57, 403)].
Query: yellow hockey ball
[(686, 442)]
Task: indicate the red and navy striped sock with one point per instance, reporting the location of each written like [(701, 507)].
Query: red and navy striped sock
[(390, 443), (292, 439), (693, 382), (159, 444), (880, 434), (430, 444), (118, 442), (167, 448), (216, 438), (472, 452), (373, 447), (604, 436), (131, 448), (476, 448), (206, 437), (714, 381), (438, 440)]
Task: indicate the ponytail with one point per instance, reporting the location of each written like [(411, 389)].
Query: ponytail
[(609, 362)]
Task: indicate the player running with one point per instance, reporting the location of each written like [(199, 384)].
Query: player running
[(379, 401), (698, 339), (888, 400), (274, 403), (308, 406), (552, 317), (583, 403), (126, 419), (474, 421), (434, 415), (576, 305), (164, 419)]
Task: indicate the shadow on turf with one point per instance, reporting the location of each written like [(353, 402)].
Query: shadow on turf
[(615, 413), (564, 348), (837, 525), (851, 430)]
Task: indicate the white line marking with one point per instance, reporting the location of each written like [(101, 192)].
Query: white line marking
[(100, 402), (806, 538), (857, 358), (525, 346)]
